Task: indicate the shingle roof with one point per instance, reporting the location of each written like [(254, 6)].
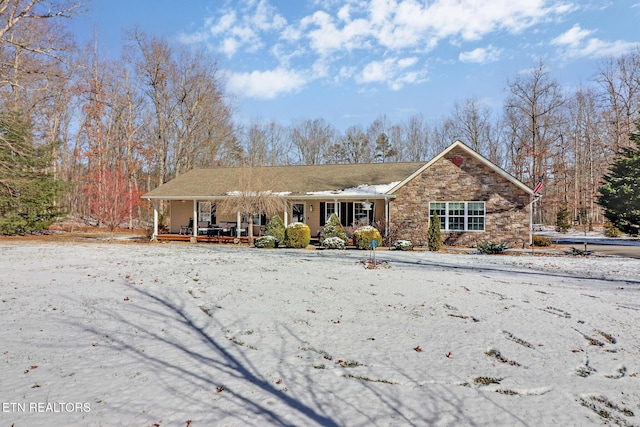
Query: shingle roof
[(297, 180)]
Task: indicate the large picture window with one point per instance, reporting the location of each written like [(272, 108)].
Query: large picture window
[(459, 216)]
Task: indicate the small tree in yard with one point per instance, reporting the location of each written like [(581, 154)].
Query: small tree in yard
[(253, 196), (620, 193), (275, 228), (110, 197), (434, 237), (563, 220), (333, 228)]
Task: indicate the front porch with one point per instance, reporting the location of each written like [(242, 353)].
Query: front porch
[(172, 237)]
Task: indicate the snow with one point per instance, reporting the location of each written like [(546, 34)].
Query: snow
[(361, 190), (178, 334)]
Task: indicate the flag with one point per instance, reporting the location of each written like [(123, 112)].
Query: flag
[(538, 188)]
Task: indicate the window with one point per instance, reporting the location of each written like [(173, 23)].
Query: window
[(207, 212), (459, 216)]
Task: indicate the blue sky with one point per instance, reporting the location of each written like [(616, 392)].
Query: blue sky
[(350, 61)]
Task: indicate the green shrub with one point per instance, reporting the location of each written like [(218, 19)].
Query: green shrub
[(363, 237), (297, 235), (491, 248), (563, 220), (434, 237), (334, 243), (403, 245), (611, 230), (275, 227), (541, 241), (333, 228), (265, 242)]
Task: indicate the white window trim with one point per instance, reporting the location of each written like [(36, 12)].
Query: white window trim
[(466, 215)]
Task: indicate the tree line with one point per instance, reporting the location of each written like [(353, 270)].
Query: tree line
[(112, 128)]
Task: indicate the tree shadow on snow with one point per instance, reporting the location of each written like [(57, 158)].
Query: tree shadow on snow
[(204, 366)]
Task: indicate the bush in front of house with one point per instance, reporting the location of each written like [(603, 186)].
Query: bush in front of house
[(275, 227), (541, 241), (334, 243), (363, 236), (434, 237), (491, 248), (403, 245), (297, 235), (333, 228), (265, 242)]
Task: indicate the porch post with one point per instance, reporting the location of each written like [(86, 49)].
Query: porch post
[(238, 224), (154, 236), (194, 232), (286, 213)]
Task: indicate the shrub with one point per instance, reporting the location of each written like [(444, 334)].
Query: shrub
[(334, 243), (434, 237), (491, 248), (275, 227), (265, 242), (563, 220), (297, 235), (363, 237), (611, 230), (541, 241), (333, 228), (403, 245)]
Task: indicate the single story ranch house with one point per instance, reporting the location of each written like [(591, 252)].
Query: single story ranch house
[(475, 200)]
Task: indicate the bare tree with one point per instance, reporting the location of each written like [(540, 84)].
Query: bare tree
[(620, 81), (253, 195), (312, 139)]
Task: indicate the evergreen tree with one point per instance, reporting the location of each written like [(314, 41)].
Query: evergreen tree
[(384, 150), (28, 193), (434, 237), (333, 228), (620, 193), (275, 227)]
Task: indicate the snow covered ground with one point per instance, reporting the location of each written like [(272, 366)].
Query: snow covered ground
[(107, 334)]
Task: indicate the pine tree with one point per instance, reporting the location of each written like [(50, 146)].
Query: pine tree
[(28, 193), (434, 237), (620, 192)]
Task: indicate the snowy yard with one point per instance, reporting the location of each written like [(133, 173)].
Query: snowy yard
[(106, 334)]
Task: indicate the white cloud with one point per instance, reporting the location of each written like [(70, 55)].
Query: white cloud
[(572, 37), (392, 71), (265, 84), (481, 55), (577, 44)]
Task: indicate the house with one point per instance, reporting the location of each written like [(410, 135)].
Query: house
[(475, 199)]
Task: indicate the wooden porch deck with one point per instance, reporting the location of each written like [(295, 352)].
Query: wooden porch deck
[(201, 239), (211, 239)]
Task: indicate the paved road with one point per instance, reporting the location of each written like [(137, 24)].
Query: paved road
[(619, 250)]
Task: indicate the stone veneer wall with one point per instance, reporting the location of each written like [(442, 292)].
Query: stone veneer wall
[(507, 211)]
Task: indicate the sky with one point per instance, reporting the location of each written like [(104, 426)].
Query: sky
[(350, 61)]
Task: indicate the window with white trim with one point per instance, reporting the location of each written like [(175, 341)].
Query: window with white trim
[(459, 216)]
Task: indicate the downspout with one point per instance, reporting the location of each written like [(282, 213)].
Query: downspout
[(386, 217)]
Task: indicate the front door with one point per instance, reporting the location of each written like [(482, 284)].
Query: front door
[(297, 212)]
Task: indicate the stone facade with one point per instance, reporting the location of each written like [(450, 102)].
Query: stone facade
[(459, 176)]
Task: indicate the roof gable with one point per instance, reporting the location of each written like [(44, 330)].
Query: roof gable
[(475, 155)]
